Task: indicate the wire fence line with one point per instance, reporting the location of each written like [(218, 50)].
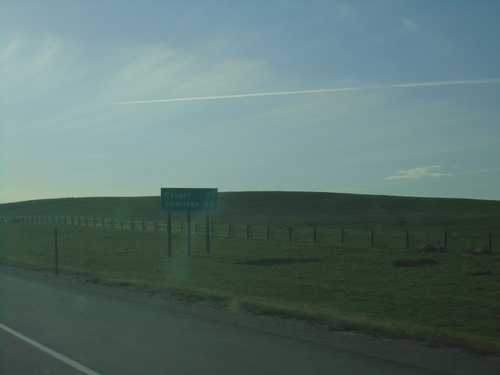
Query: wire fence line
[(333, 235)]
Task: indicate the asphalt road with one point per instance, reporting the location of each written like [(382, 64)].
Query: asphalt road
[(59, 325)]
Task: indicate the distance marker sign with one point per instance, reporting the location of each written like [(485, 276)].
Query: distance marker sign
[(186, 199)]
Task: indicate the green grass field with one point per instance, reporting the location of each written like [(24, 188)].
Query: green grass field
[(289, 208), (449, 298)]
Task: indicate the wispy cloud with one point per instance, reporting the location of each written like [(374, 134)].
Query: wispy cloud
[(408, 25), (483, 170), (320, 91), (418, 173)]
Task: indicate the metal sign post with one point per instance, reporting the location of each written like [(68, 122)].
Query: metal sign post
[(208, 233), (189, 232), (169, 233), (56, 250)]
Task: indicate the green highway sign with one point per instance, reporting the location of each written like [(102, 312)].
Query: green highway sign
[(186, 199)]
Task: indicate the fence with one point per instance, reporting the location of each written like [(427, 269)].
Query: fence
[(333, 235)]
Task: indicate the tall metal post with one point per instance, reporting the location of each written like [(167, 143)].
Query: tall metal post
[(208, 232), (169, 233), (189, 232), (56, 250)]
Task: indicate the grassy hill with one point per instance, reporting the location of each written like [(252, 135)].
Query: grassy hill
[(289, 208), (388, 289)]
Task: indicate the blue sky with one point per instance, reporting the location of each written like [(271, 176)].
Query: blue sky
[(376, 97)]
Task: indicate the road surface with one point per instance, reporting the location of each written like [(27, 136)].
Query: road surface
[(63, 325)]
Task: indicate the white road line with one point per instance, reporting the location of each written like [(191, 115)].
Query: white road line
[(49, 351)]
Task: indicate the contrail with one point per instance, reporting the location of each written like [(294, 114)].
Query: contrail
[(319, 91)]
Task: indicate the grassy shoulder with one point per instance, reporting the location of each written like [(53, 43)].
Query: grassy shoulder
[(448, 298)]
